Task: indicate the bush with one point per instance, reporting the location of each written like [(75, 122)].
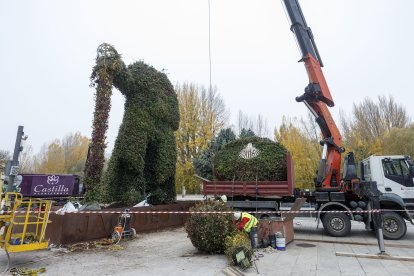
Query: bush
[(235, 241), (269, 165), (208, 231), (203, 164)]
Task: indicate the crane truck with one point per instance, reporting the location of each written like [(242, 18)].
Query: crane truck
[(385, 182)]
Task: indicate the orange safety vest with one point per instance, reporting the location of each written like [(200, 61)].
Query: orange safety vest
[(251, 223)]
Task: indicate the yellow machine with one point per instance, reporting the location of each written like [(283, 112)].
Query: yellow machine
[(23, 222)]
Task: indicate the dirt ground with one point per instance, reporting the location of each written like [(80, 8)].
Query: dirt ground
[(170, 252)]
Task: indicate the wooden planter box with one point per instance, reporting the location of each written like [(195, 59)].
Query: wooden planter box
[(268, 227)]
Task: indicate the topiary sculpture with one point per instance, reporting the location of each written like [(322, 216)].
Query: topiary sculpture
[(144, 156), (268, 165)]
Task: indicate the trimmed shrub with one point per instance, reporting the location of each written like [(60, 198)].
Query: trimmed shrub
[(208, 231), (269, 165)]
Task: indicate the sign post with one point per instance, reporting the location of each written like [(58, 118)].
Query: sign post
[(14, 166)]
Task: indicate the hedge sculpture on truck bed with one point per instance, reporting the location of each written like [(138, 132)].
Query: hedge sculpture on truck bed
[(268, 165), (144, 156)]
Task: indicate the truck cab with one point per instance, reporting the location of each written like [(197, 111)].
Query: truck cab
[(393, 174)]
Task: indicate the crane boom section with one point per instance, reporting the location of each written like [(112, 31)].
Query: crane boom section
[(317, 98)]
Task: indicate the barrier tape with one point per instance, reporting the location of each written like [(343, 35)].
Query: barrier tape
[(210, 212)]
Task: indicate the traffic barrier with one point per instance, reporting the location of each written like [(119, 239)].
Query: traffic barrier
[(82, 226), (120, 211), (90, 225)]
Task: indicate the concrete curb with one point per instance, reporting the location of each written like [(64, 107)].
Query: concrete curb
[(232, 271)]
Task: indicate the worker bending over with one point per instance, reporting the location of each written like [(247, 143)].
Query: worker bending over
[(247, 223)]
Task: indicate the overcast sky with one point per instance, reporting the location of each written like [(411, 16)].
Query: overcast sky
[(48, 48)]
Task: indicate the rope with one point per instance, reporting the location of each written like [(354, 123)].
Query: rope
[(209, 41)]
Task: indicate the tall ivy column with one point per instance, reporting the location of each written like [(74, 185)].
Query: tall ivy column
[(102, 79)]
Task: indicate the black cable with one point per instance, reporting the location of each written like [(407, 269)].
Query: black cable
[(8, 261)]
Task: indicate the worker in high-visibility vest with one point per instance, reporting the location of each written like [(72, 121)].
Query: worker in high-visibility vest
[(247, 223)]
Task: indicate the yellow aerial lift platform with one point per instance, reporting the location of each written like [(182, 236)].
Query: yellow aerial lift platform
[(23, 222)]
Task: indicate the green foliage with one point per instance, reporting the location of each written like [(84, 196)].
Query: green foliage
[(400, 141), (66, 156), (269, 165), (245, 133), (207, 232), (144, 156), (202, 115), (304, 148), (236, 240), (107, 63), (204, 164)]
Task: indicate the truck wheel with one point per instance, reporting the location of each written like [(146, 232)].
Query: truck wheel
[(394, 226), (336, 224)]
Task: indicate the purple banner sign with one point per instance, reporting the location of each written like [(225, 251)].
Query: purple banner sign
[(42, 185)]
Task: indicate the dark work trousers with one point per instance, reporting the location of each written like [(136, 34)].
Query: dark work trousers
[(253, 232)]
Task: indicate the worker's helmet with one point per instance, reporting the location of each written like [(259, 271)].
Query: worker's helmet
[(237, 215), (223, 198)]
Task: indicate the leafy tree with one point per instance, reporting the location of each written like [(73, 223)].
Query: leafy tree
[(400, 141), (245, 133), (203, 114), (305, 151), (51, 159), (204, 163), (66, 156), (75, 148), (370, 122)]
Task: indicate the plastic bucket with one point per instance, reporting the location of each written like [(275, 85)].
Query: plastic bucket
[(280, 243)]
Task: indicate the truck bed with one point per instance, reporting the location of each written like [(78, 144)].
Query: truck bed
[(244, 188), (248, 188)]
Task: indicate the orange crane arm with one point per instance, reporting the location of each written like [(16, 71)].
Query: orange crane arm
[(317, 99)]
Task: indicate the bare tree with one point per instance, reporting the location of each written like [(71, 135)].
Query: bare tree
[(261, 126), (26, 161), (258, 126), (213, 109), (311, 130), (4, 157), (244, 122), (370, 122), (392, 114)]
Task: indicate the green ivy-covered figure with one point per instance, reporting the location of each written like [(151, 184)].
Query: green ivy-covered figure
[(144, 156)]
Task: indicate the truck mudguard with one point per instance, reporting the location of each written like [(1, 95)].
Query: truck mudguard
[(392, 198), (394, 201)]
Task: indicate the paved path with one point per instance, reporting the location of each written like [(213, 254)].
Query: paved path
[(170, 253), (319, 257)]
